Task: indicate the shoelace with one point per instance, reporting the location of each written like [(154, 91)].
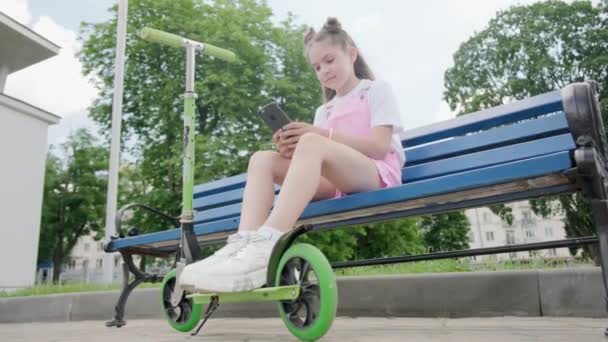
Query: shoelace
[(233, 239), (253, 239)]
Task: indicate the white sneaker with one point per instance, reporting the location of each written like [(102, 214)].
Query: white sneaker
[(234, 244), (244, 271)]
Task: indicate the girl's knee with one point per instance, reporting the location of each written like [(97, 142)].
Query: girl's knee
[(309, 142), (263, 159), (268, 162)]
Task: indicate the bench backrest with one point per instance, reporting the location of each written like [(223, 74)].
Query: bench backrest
[(534, 126)]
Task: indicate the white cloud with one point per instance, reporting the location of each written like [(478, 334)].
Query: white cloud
[(365, 24), (56, 84), (16, 9)]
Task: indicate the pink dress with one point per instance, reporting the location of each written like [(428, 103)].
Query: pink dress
[(352, 116)]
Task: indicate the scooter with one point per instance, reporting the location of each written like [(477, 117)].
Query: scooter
[(299, 277)]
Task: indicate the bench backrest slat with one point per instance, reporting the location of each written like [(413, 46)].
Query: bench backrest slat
[(500, 155), (499, 136), (501, 115)]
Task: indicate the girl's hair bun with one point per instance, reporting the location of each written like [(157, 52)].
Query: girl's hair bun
[(309, 35), (332, 25)]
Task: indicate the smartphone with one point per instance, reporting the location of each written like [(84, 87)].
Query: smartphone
[(274, 116)]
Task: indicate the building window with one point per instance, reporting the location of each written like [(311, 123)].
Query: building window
[(548, 231), (487, 218), (99, 263), (552, 252), (116, 261), (87, 247), (527, 219), (510, 237), (529, 232), (490, 236), (100, 247), (471, 237)]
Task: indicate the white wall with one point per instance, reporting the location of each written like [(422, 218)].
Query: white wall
[(23, 147)]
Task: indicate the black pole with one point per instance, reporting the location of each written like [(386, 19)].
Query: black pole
[(573, 242)]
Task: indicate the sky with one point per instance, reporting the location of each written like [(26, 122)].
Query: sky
[(409, 44)]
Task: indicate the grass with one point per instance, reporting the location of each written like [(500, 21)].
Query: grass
[(432, 266), (458, 265), (41, 290)]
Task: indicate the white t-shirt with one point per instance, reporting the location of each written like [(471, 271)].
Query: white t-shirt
[(383, 107)]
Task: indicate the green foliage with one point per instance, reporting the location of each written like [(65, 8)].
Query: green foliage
[(383, 239), (74, 197), (392, 238), (445, 232), (270, 65), (336, 245), (528, 50)]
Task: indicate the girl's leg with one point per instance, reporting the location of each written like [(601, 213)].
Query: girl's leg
[(318, 157), (265, 169), (317, 164)]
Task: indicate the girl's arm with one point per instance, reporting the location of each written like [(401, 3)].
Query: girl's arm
[(374, 147)]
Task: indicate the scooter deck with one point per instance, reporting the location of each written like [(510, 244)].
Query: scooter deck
[(290, 292)]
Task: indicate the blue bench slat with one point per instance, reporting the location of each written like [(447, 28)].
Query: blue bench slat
[(500, 155), (174, 234), (220, 185), (522, 169), (217, 213), (486, 158), (484, 119), (527, 130), (221, 199)]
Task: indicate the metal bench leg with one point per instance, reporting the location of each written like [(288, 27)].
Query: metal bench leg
[(128, 266)]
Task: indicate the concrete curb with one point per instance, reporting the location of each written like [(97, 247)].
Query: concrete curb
[(565, 292)]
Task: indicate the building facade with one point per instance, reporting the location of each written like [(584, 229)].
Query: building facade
[(85, 264), (489, 230), (23, 149)]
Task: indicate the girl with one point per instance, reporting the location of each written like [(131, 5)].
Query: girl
[(353, 146)]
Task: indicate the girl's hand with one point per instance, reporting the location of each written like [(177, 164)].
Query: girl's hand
[(294, 130), (284, 151)]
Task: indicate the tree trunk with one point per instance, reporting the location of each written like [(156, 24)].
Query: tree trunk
[(57, 264)]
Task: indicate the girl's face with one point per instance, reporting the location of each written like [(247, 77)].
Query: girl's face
[(333, 65)]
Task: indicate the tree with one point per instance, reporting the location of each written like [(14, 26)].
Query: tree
[(74, 198), (528, 50), (270, 65), (446, 232), (391, 238)]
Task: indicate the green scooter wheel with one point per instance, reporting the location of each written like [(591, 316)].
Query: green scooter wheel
[(310, 316), (186, 314)]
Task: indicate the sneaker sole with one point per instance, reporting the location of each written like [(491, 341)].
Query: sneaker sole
[(248, 282)]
